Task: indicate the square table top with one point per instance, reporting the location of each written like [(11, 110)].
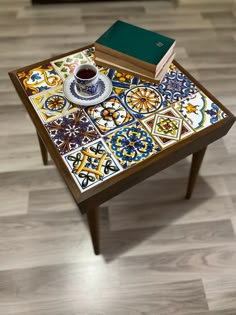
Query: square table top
[(138, 124)]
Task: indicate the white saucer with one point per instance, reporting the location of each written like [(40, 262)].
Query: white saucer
[(73, 95)]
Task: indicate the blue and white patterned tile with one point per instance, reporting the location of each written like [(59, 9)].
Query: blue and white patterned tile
[(131, 144), (176, 86), (71, 131), (91, 164), (199, 111)]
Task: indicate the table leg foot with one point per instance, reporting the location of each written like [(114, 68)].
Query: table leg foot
[(44, 151), (93, 222), (195, 167)]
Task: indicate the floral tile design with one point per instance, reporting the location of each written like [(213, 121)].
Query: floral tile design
[(51, 104), (199, 111), (109, 115), (143, 100), (122, 79), (131, 144), (91, 164), (71, 131), (164, 139), (38, 79), (90, 54), (65, 66), (176, 86)]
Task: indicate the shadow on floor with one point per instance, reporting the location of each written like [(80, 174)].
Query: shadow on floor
[(134, 216)]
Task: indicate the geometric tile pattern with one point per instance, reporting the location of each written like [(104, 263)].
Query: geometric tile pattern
[(138, 120), (39, 79), (91, 164), (109, 115), (199, 111), (131, 144), (167, 127), (51, 104), (65, 66), (163, 140), (143, 100), (176, 86), (71, 131)]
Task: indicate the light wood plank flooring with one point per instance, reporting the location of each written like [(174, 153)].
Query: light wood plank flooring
[(162, 255)]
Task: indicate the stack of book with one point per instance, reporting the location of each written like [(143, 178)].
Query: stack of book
[(134, 50)]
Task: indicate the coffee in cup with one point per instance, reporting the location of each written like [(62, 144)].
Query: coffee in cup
[(86, 79)]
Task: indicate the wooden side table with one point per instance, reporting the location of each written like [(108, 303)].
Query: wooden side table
[(153, 127)]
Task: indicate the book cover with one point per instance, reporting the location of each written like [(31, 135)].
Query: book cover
[(136, 43)]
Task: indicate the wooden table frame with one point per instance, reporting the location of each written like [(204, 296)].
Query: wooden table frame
[(90, 200)]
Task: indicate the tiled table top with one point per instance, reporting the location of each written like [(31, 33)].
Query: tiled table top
[(137, 121)]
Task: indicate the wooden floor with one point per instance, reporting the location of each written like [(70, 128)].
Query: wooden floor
[(162, 255)]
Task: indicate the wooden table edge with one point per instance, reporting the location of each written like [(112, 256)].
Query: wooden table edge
[(42, 132), (95, 191)]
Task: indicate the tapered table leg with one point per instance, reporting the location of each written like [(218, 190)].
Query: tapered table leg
[(195, 167), (93, 222), (44, 151)]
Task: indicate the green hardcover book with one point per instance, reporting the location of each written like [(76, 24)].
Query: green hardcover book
[(143, 48)]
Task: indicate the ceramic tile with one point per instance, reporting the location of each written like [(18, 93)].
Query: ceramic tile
[(176, 86), (172, 67), (91, 164), (120, 78), (103, 70), (121, 81), (131, 144), (120, 91), (51, 104), (90, 54), (165, 137), (109, 115), (71, 131), (167, 126), (199, 111), (38, 79), (65, 66), (143, 100)]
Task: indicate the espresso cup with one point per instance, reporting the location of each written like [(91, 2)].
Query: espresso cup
[(86, 79)]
